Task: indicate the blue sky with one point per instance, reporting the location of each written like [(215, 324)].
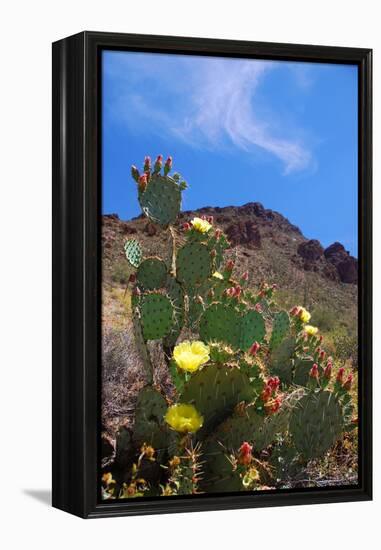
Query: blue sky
[(239, 130)]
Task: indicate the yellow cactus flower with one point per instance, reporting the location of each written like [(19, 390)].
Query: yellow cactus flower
[(310, 330), (189, 356), (200, 225), (304, 315), (183, 418), (217, 275)]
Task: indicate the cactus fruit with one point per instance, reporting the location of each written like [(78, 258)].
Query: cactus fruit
[(157, 316), (161, 200), (316, 423), (194, 264), (133, 252), (151, 274)]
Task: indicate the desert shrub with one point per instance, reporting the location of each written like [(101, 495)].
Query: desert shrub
[(120, 272), (324, 318)]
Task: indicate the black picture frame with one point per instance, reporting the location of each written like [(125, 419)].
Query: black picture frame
[(76, 267)]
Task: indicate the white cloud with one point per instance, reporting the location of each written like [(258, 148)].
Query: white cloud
[(208, 103)]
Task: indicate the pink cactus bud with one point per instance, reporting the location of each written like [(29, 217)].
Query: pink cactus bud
[(204, 218), (186, 226), (348, 383), (322, 355), (254, 349), (320, 338), (209, 219), (132, 278), (294, 311), (229, 265), (213, 253), (258, 307), (159, 158), (340, 375), (136, 291), (168, 162), (245, 456), (158, 163), (274, 286), (245, 276), (218, 234), (328, 371), (314, 372)]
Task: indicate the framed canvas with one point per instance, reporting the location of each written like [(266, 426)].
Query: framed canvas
[(212, 267)]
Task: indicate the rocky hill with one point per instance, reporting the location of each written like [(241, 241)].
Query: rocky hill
[(263, 242)]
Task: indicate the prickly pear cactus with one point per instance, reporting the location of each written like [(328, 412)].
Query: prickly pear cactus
[(133, 252), (245, 377), (161, 200), (316, 423)]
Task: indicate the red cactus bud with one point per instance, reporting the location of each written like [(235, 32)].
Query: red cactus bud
[(340, 375), (230, 292), (294, 311), (348, 383), (213, 253), (273, 382), (186, 226), (254, 348), (132, 278), (209, 219), (328, 371), (271, 407), (355, 420), (158, 163), (314, 372), (204, 218), (135, 173), (322, 355), (229, 265), (320, 338), (147, 164), (266, 393), (218, 234), (274, 286), (245, 456), (237, 291), (142, 182), (245, 276), (136, 291), (168, 165), (258, 308)]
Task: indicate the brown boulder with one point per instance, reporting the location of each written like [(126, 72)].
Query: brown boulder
[(310, 250), (346, 265), (244, 232)]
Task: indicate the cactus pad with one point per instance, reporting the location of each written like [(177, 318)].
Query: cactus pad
[(302, 370), (281, 329), (281, 360), (215, 390), (251, 329), (316, 423), (220, 323), (142, 347), (133, 252), (152, 273), (156, 313), (149, 426), (176, 295), (223, 323), (194, 264), (161, 200)]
